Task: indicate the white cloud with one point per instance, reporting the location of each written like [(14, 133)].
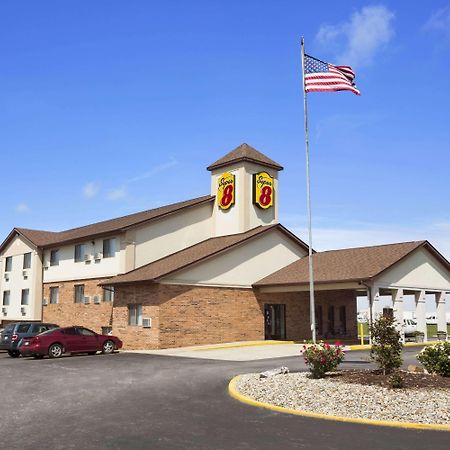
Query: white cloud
[(362, 36), (117, 194), (439, 21), (90, 189), (22, 208)]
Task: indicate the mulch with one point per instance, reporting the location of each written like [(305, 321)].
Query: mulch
[(411, 380)]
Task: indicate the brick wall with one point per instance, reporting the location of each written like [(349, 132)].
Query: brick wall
[(137, 337), (67, 312)]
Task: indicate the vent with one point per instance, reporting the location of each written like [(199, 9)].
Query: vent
[(23, 311), (86, 300), (147, 323), (4, 311), (44, 302), (6, 277), (46, 265), (25, 274), (97, 299)]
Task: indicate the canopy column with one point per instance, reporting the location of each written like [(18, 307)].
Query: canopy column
[(440, 311), (397, 303), (420, 313)]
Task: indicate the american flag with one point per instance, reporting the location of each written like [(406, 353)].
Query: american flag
[(320, 76)]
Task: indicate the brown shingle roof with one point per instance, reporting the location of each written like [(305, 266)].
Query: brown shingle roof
[(245, 153), (350, 264), (49, 238), (194, 254)]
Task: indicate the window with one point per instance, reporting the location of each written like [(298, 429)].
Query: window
[(108, 294), (85, 332), (106, 330), (80, 251), (27, 260), (8, 264), (23, 328), (109, 248), (39, 328), (54, 295), (54, 257), (79, 293), (70, 331), (134, 315), (6, 297), (25, 300)]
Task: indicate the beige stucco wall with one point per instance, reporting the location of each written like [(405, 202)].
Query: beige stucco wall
[(244, 265), (17, 281), (243, 215), (172, 233), (419, 270), (68, 269)]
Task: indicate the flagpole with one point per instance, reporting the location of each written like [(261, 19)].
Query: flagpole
[(312, 308)]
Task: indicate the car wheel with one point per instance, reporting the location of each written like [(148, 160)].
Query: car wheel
[(108, 347), (55, 351), (13, 353)]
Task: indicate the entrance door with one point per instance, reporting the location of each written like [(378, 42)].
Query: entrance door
[(275, 321)]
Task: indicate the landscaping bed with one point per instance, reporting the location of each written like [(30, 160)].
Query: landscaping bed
[(355, 394)]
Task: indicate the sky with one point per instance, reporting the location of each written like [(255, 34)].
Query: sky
[(111, 107)]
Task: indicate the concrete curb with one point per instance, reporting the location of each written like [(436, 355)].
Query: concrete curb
[(244, 344), (234, 393), (368, 346)]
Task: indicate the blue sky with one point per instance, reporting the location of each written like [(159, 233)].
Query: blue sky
[(111, 107)]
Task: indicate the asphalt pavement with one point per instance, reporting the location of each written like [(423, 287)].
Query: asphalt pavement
[(136, 401)]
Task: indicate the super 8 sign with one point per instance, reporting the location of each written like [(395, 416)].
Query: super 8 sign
[(225, 190), (263, 191)]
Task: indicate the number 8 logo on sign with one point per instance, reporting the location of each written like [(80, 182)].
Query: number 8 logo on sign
[(225, 190)]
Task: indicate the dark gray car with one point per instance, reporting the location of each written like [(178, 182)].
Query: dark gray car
[(14, 332)]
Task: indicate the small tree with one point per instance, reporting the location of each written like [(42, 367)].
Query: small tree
[(386, 344)]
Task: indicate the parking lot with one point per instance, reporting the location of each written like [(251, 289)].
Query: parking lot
[(129, 400)]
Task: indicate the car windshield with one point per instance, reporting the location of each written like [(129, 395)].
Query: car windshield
[(48, 331)]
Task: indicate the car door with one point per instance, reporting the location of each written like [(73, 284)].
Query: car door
[(89, 339), (71, 340)]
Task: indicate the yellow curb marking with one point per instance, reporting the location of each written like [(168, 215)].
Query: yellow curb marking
[(250, 344), (233, 392)]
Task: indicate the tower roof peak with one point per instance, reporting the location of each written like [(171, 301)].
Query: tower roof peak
[(245, 152)]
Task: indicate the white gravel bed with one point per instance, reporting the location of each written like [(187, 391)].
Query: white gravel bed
[(298, 391)]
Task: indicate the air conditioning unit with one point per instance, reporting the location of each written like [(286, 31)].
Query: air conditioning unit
[(44, 302), (6, 277), (87, 258), (23, 311), (87, 300), (46, 265), (97, 299), (4, 311), (147, 323), (98, 256), (25, 274)]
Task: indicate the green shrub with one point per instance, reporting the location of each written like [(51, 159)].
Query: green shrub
[(322, 358), (386, 344), (396, 380), (436, 358)]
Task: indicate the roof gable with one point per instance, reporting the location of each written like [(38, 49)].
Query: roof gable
[(245, 153), (352, 264)]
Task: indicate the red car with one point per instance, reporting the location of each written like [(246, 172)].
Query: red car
[(68, 340)]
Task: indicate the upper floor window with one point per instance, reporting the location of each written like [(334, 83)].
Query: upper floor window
[(54, 257), (80, 251), (109, 247), (6, 297), (54, 294), (25, 300), (8, 264), (27, 260), (108, 294), (79, 293)]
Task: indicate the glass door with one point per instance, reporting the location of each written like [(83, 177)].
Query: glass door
[(275, 321)]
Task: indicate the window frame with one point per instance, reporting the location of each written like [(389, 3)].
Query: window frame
[(75, 291), (54, 261), (135, 315), (27, 297), (26, 261), (4, 297), (111, 248), (8, 264), (108, 294), (53, 289), (82, 252)]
